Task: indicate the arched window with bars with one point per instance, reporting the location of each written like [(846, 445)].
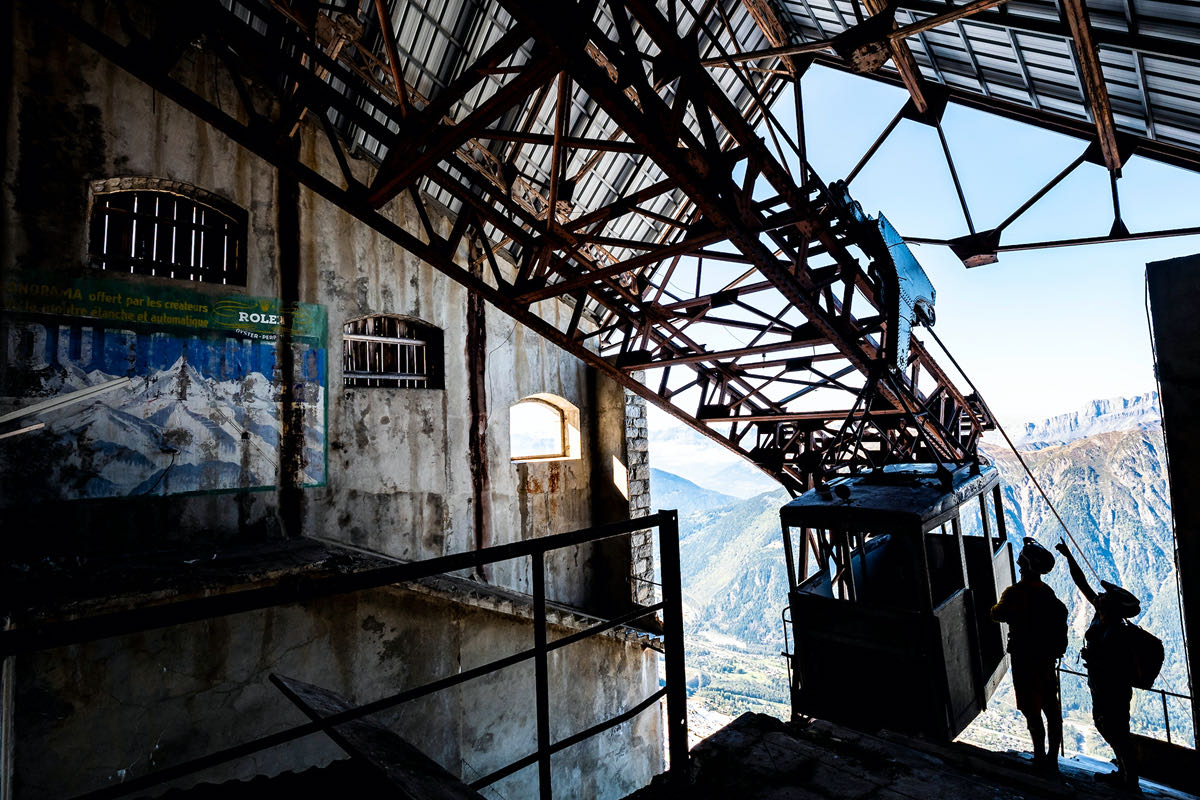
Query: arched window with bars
[(392, 352), (185, 233)]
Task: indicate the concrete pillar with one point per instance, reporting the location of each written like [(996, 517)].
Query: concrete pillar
[(1174, 290), (637, 446), (621, 491)]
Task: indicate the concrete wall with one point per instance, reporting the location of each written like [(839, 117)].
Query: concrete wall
[(398, 476), (75, 118), (398, 481), (92, 715)]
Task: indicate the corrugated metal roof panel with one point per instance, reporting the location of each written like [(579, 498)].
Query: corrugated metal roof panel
[(1021, 55), (976, 56)]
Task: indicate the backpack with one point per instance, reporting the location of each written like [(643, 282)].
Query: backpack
[(1147, 650), (1050, 628)]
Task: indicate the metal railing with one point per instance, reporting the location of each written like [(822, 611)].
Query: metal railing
[(1162, 693), (674, 690)]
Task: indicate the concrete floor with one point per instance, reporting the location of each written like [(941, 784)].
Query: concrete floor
[(757, 757)]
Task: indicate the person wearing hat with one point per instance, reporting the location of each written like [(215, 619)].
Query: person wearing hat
[(1108, 654), (1037, 637)]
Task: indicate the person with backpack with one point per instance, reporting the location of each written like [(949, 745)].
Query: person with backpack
[(1112, 665), (1037, 638)]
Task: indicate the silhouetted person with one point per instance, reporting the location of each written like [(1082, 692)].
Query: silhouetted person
[(1109, 656), (1037, 638)]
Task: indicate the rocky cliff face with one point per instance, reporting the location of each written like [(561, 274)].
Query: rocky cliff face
[(1099, 416)]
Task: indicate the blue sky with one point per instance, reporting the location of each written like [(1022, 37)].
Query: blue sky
[(1041, 332)]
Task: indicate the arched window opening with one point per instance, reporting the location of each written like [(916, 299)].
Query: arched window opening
[(165, 234), (392, 352), (543, 427)]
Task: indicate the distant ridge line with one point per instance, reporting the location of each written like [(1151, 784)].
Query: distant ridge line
[(1098, 416)]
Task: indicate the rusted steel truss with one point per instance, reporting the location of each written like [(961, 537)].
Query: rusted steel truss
[(760, 309)]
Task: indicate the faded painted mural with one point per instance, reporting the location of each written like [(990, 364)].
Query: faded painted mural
[(145, 390)]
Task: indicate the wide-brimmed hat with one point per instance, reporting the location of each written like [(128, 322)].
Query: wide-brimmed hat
[(1119, 602), (1035, 558)]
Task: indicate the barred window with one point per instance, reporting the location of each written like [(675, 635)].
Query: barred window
[(167, 235), (389, 351)]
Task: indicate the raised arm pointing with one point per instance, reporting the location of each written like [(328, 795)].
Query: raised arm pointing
[(1076, 573)]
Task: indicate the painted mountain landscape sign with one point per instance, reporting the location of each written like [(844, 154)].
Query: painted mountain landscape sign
[(150, 391)]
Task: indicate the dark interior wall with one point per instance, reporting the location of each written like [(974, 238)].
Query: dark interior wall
[(73, 118), (420, 473), (397, 478)]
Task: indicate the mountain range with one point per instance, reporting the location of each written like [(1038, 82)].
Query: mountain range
[(672, 491), (1099, 416), (1102, 467)]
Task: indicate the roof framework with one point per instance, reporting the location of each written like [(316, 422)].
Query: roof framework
[(621, 156)]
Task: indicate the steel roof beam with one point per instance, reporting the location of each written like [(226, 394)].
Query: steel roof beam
[(666, 337), (649, 121), (637, 262), (906, 65), (706, 188), (520, 228), (622, 205), (786, 51), (803, 416), (660, 252), (1167, 153), (726, 355), (769, 22), (1091, 75), (396, 69), (433, 140), (547, 140)]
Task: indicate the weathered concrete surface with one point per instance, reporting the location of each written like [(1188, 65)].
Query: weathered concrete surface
[(398, 481), (75, 118), (398, 478), (82, 588), (114, 709)]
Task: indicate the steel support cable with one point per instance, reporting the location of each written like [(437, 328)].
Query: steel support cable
[(1187, 658), (1017, 453)]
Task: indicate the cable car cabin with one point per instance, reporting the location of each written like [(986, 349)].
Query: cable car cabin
[(891, 615)]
